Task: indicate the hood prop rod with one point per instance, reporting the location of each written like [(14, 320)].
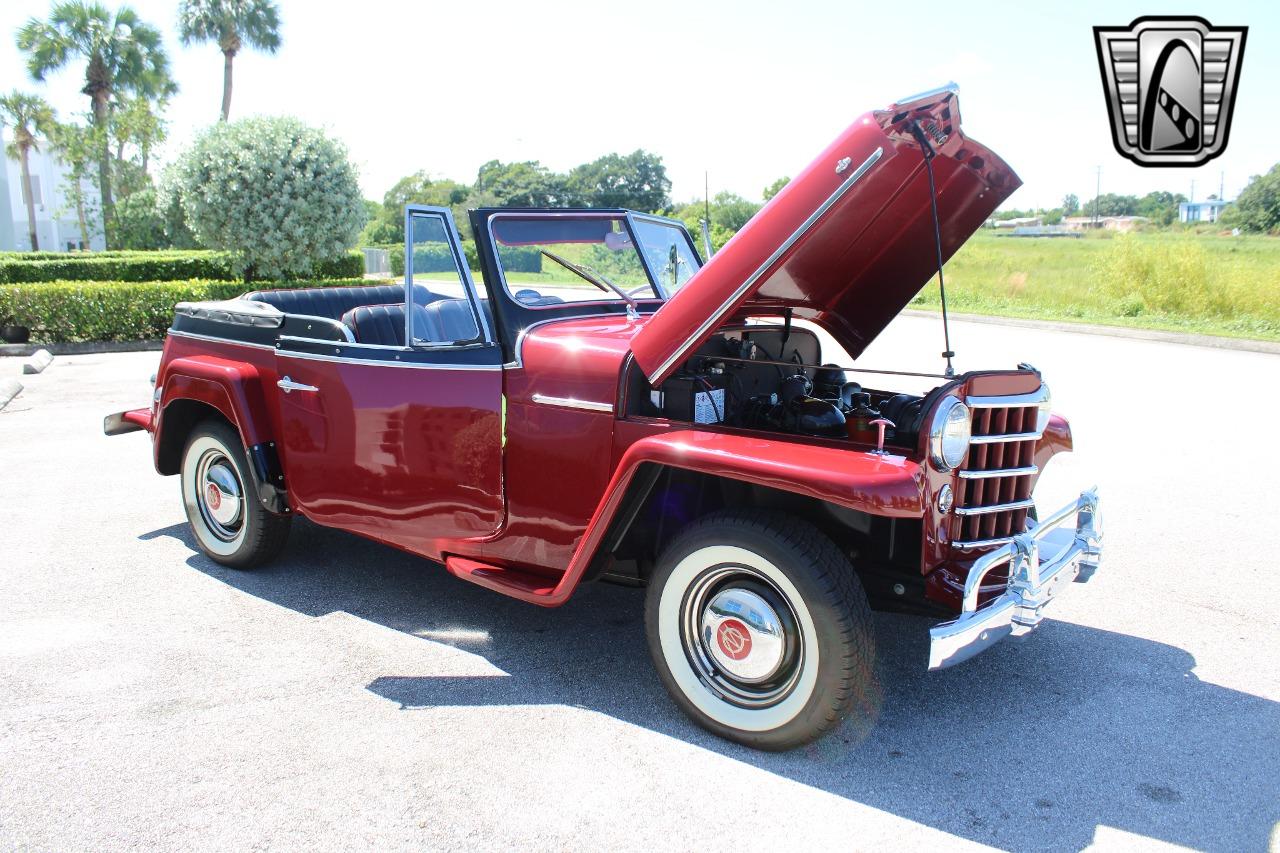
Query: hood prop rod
[(929, 154)]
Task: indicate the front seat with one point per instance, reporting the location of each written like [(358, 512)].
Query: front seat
[(448, 320), (443, 321), (379, 324)]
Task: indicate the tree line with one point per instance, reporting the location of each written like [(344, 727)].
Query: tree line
[(637, 181), (1257, 209)]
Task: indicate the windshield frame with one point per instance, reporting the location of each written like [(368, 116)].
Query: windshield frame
[(659, 293)]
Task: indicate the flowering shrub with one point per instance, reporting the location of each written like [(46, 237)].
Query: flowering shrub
[(279, 195)]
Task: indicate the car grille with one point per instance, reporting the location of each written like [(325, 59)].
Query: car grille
[(993, 495)]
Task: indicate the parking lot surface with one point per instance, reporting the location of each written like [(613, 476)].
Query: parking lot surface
[(353, 696)]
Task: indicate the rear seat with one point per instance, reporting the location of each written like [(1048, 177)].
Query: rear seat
[(334, 302), (440, 321)]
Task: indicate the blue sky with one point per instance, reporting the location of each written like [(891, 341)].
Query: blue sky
[(747, 92)]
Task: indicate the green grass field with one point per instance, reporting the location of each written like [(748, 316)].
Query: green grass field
[(1207, 284), (1200, 283)]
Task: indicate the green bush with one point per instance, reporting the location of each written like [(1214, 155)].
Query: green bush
[(277, 193), (138, 221), (68, 311), (18, 267)]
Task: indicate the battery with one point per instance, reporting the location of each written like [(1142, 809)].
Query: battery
[(694, 399)]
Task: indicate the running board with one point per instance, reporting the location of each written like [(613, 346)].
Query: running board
[(526, 586)]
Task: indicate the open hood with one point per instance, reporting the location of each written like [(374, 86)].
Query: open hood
[(849, 242)]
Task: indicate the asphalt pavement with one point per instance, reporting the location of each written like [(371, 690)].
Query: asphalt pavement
[(353, 696)]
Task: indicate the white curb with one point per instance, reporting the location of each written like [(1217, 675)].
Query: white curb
[(41, 359), (9, 389)]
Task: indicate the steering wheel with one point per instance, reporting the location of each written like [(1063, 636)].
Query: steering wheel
[(636, 291)]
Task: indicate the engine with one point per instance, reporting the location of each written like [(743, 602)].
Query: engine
[(760, 379)]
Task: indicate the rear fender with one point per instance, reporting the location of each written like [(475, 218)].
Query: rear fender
[(234, 390)]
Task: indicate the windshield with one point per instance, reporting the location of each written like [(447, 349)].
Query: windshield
[(668, 251), (538, 254)]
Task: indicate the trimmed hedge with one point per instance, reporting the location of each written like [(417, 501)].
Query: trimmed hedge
[(147, 266), (72, 311)]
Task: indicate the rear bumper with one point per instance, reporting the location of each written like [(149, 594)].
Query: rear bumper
[(130, 421), (1041, 562)]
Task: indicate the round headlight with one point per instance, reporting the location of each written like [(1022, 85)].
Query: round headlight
[(949, 435)]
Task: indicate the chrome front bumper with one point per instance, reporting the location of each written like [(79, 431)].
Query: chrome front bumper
[(1041, 562)]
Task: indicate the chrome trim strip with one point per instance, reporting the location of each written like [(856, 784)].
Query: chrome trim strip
[(570, 403), (999, 472), (1011, 401), (717, 316), (375, 362), (196, 337), (948, 88), (987, 510), (1006, 437), (974, 544)]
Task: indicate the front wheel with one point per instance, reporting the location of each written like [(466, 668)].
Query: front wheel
[(759, 628), (220, 495)]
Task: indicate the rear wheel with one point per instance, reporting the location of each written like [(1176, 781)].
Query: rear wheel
[(759, 628), (220, 495)]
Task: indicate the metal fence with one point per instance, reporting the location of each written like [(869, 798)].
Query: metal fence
[(377, 262)]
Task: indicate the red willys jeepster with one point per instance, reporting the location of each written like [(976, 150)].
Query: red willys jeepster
[(608, 405)]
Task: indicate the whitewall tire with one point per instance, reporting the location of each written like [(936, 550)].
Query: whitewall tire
[(220, 495), (759, 628)]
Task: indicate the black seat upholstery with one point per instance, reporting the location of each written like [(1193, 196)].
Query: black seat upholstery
[(441, 321), (377, 324), (333, 302), (448, 320)]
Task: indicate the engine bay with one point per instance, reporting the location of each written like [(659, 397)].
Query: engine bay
[(771, 378)]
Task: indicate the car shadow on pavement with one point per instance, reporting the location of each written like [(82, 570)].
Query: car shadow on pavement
[(1033, 745)]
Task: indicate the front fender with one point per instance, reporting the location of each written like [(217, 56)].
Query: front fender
[(1056, 439), (880, 484)]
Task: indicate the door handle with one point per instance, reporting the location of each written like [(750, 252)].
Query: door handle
[(286, 384)]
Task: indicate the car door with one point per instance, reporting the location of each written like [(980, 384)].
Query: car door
[(401, 440)]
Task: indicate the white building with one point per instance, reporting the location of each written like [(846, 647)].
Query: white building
[(57, 224), (1201, 211)]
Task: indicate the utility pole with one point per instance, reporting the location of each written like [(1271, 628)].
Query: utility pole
[(1097, 200), (1222, 186), (1193, 191)]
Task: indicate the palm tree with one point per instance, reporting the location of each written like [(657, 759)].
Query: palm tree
[(121, 53), (29, 115), (232, 24)]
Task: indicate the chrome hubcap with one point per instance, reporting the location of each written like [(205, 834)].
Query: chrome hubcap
[(741, 636), (219, 495)]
